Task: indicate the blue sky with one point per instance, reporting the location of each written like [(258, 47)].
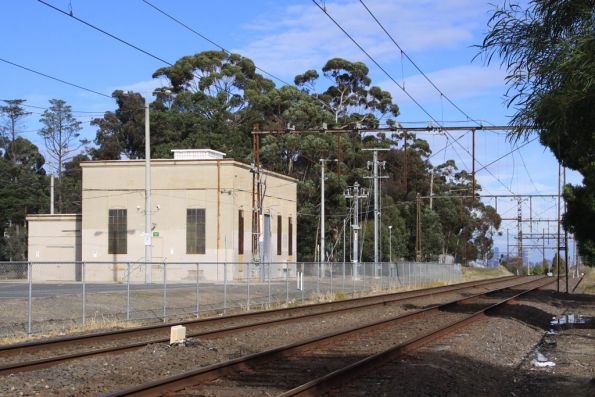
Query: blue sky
[(284, 38)]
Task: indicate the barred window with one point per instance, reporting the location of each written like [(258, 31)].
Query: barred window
[(195, 231), (117, 232), (290, 238), (279, 235), (241, 232)]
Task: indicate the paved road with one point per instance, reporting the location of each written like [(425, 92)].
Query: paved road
[(20, 290)]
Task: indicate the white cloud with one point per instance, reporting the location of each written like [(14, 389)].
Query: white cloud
[(302, 37), (460, 82), (143, 87)]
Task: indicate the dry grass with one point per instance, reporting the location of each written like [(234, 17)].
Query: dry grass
[(588, 283), (474, 273), (93, 324)]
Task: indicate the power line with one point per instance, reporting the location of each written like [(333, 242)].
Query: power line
[(106, 33), (54, 78), (506, 155), (209, 40), (527, 170), (403, 53), (323, 9), (47, 108)]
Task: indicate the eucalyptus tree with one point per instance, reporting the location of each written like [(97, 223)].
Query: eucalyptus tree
[(13, 112), (23, 190), (62, 137), (548, 49)]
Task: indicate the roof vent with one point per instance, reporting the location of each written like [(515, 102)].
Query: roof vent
[(197, 154)]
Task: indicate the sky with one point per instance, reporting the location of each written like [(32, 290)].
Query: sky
[(286, 38)]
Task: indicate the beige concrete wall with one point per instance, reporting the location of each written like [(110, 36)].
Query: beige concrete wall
[(55, 238), (221, 187)]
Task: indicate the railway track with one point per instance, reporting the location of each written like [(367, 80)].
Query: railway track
[(41, 354), (312, 366)]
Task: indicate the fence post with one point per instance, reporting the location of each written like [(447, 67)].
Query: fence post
[(343, 283), (164, 292), (248, 275), (269, 282), (302, 282), (30, 295), (331, 267), (319, 265), (353, 270), (83, 270), (286, 283), (224, 287), (197, 291), (128, 291)]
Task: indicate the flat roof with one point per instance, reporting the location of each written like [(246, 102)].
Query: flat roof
[(53, 217), (162, 162)]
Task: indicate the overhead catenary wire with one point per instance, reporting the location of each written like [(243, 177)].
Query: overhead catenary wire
[(55, 78), (323, 9), (68, 14), (178, 21), (46, 108), (403, 53), (421, 107), (527, 170), (506, 155)]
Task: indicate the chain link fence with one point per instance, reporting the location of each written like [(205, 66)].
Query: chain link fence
[(39, 297)]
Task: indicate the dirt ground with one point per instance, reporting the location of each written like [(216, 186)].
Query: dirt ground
[(490, 358), (497, 357)]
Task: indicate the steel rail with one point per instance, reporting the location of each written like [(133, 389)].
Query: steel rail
[(357, 369), (205, 374), (577, 283), (51, 361), (18, 348)]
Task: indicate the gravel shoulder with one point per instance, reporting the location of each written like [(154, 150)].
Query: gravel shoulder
[(490, 358), (496, 357)]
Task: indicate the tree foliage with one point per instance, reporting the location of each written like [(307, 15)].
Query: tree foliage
[(548, 49), (23, 190), (61, 133), (13, 113), (213, 100)]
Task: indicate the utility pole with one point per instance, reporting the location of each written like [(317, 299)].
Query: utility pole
[(432, 189), (507, 247), (565, 238), (257, 200), (148, 222), (405, 162), (558, 239), (473, 166), (374, 164), (418, 255), (322, 215), (390, 244), (51, 189), (355, 194), (543, 249), (519, 243)]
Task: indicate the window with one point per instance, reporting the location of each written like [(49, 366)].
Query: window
[(195, 231), (279, 235), (117, 232), (290, 238), (241, 232)]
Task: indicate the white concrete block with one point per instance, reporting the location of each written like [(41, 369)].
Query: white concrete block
[(177, 334)]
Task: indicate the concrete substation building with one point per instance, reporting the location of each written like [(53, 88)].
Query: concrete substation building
[(202, 208)]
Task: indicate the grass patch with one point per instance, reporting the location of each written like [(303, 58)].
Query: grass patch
[(588, 283), (476, 273), (91, 325)]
